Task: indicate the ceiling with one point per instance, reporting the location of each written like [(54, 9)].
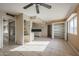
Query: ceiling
[(57, 12)]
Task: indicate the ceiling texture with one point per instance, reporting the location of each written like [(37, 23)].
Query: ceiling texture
[(57, 12)]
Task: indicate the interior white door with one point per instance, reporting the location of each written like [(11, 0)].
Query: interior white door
[(1, 32)]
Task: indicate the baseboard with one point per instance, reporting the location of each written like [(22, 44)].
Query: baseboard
[(73, 48)]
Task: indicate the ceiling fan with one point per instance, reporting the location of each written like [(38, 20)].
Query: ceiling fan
[(37, 6)]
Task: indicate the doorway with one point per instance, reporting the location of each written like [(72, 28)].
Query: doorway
[(12, 32), (5, 32), (8, 32), (50, 31)]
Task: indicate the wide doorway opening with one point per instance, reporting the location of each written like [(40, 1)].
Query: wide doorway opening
[(8, 32)]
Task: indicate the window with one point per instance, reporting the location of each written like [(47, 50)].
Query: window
[(72, 25), (75, 25)]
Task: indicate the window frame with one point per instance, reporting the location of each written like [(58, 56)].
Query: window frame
[(74, 28)]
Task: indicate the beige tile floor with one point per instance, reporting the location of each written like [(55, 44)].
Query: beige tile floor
[(39, 47)]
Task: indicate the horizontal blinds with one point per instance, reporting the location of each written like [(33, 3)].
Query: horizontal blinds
[(59, 30)]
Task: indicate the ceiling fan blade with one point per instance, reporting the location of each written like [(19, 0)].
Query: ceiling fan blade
[(37, 8), (45, 5), (25, 7)]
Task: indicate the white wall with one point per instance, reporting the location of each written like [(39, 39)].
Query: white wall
[(1, 32), (2, 16), (1, 29)]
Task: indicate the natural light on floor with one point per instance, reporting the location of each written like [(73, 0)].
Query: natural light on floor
[(32, 46)]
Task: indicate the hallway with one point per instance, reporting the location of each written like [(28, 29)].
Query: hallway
[(40, 47)]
